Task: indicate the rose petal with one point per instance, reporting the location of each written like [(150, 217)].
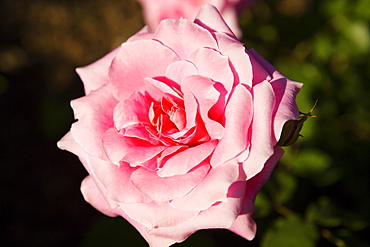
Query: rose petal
[(161, 189), (94, 113), (262, 136), (93, 196), (177, 71), (133, 111), (131, 150), (135, 61), (212, 64), (240, 60), (183, 36), (212, 189), (155, 216), (238, 117), (186, 160), (95, 75), (207, 96), (221, 215), (244, 224), (209, 17), (285, 107), (115, 180)]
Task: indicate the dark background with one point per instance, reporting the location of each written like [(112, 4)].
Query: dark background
[(318, 194)]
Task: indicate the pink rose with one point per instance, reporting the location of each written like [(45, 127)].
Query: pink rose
[(156, 10), (178, 129)]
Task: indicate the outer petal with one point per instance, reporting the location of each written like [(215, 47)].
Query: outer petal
[(221, 215), (240, 60), (262, 133), (135, 61), (286, 107), (212, 189), (155, 216), (164, 189), (93, 195), (95, 116), (183, 36), (244, 224), (115, 180), (209, 17), (95, 75)]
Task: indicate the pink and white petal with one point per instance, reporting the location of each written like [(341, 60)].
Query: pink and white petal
[(164, 189), (212, 189), (132, 150), (238, 118), (285, 107), (210, 18), (95, 116), (182, 162), (207, 96), (153, 216), (95, 75), (183, 36), (135, 61), (262, 129), (240, 60), (115, 180)]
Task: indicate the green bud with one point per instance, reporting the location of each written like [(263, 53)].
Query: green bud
[(291, 128)]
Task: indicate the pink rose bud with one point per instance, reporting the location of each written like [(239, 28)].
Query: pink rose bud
[(178, 129), (156, 10)]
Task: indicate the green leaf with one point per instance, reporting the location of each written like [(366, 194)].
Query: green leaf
[(291, 232)]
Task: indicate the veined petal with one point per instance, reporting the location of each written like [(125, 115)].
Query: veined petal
[(95, 75), (213, 188), (207, 96), (209, 17), (135, 61), (183, 36), (238, 118), (131, 150), (262, 145), (95, 116), (155, 216), (115, 180), (161, 189), (239, 59), (183, 162), (285, 108)]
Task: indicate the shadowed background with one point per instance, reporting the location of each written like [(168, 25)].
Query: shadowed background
[(318, 194)]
